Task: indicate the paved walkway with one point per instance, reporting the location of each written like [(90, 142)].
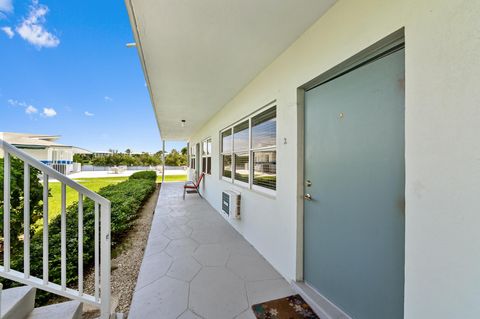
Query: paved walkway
[(197, 266)]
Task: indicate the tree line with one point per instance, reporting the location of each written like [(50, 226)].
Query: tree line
[(115, 158)]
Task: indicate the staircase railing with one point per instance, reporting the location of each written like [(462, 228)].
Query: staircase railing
[(102, 293)]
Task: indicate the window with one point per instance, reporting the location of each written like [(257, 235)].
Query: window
[(264, 135), (240, 150), (265, 171), (207, 156), (192, 157), (248, 151), (226, 154)]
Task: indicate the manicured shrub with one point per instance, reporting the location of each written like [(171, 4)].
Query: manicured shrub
[(144, 175), (126, 197)]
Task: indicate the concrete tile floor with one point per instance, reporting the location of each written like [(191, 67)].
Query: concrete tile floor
[(198, 266)]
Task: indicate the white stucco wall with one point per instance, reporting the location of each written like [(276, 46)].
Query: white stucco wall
[(39, 154), (442, 143)]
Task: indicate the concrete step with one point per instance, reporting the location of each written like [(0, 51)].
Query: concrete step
[(17, 302), (65, 310)]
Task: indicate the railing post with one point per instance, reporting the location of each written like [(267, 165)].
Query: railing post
[(26, 220), (6, 211), (63, 235), (105, 262), (80, 244), (45, 228)]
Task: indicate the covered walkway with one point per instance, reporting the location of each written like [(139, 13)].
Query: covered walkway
[(198, 266)]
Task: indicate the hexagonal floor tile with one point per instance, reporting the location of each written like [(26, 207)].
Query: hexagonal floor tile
[(166, 298), (215, 235), (205, 236), (153, 268), (217, 293), (247, 314), (156, 244), (184, 268), (175, 233), (180, 220), (189, 315), (162, 210), (242, 247), (201, 224), (181, 247), (252, 268), (212, 255)]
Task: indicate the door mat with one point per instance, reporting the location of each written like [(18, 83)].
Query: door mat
[(292, 307)]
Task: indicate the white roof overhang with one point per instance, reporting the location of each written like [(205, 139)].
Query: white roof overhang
[(197, 55)]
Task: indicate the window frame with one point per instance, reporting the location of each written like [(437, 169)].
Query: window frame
[(206, 156), (222, 154), (241, 152), (250, 151), (193, 164)]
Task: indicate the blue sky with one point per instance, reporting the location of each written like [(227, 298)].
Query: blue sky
[(65, 71)]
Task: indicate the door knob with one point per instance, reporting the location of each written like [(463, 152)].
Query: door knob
[(307, 197)]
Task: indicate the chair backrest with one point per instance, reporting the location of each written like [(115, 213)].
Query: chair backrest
[(199, 180)]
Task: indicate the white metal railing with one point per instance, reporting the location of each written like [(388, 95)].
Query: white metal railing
[(102, 241)]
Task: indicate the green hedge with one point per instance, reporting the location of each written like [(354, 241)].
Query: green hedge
[(152, 175), (126, 197)]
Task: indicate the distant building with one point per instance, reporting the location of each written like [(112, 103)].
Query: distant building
[(46, 149)]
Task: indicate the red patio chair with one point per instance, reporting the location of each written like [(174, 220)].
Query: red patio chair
[(194, 186)]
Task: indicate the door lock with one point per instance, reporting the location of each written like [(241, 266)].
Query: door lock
[(307, 197), (308, 183)]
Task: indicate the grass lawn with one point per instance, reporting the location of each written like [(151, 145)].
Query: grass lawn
[(172, 178), (94, 184)]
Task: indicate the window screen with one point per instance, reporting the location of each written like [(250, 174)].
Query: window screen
[(227, 166), (242, 170), (265, 169)]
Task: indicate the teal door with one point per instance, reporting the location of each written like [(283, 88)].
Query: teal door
[(354, 208)]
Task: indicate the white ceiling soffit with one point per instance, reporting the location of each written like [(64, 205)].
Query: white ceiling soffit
[(198, 54)]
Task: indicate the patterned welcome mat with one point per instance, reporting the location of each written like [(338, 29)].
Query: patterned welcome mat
[(292, 307)]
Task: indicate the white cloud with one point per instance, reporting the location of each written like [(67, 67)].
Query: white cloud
[(6, 6), (31, 109), (49, 112), (108, 99), (8, 31), (32, 29), (13, 102), (88, 113)]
